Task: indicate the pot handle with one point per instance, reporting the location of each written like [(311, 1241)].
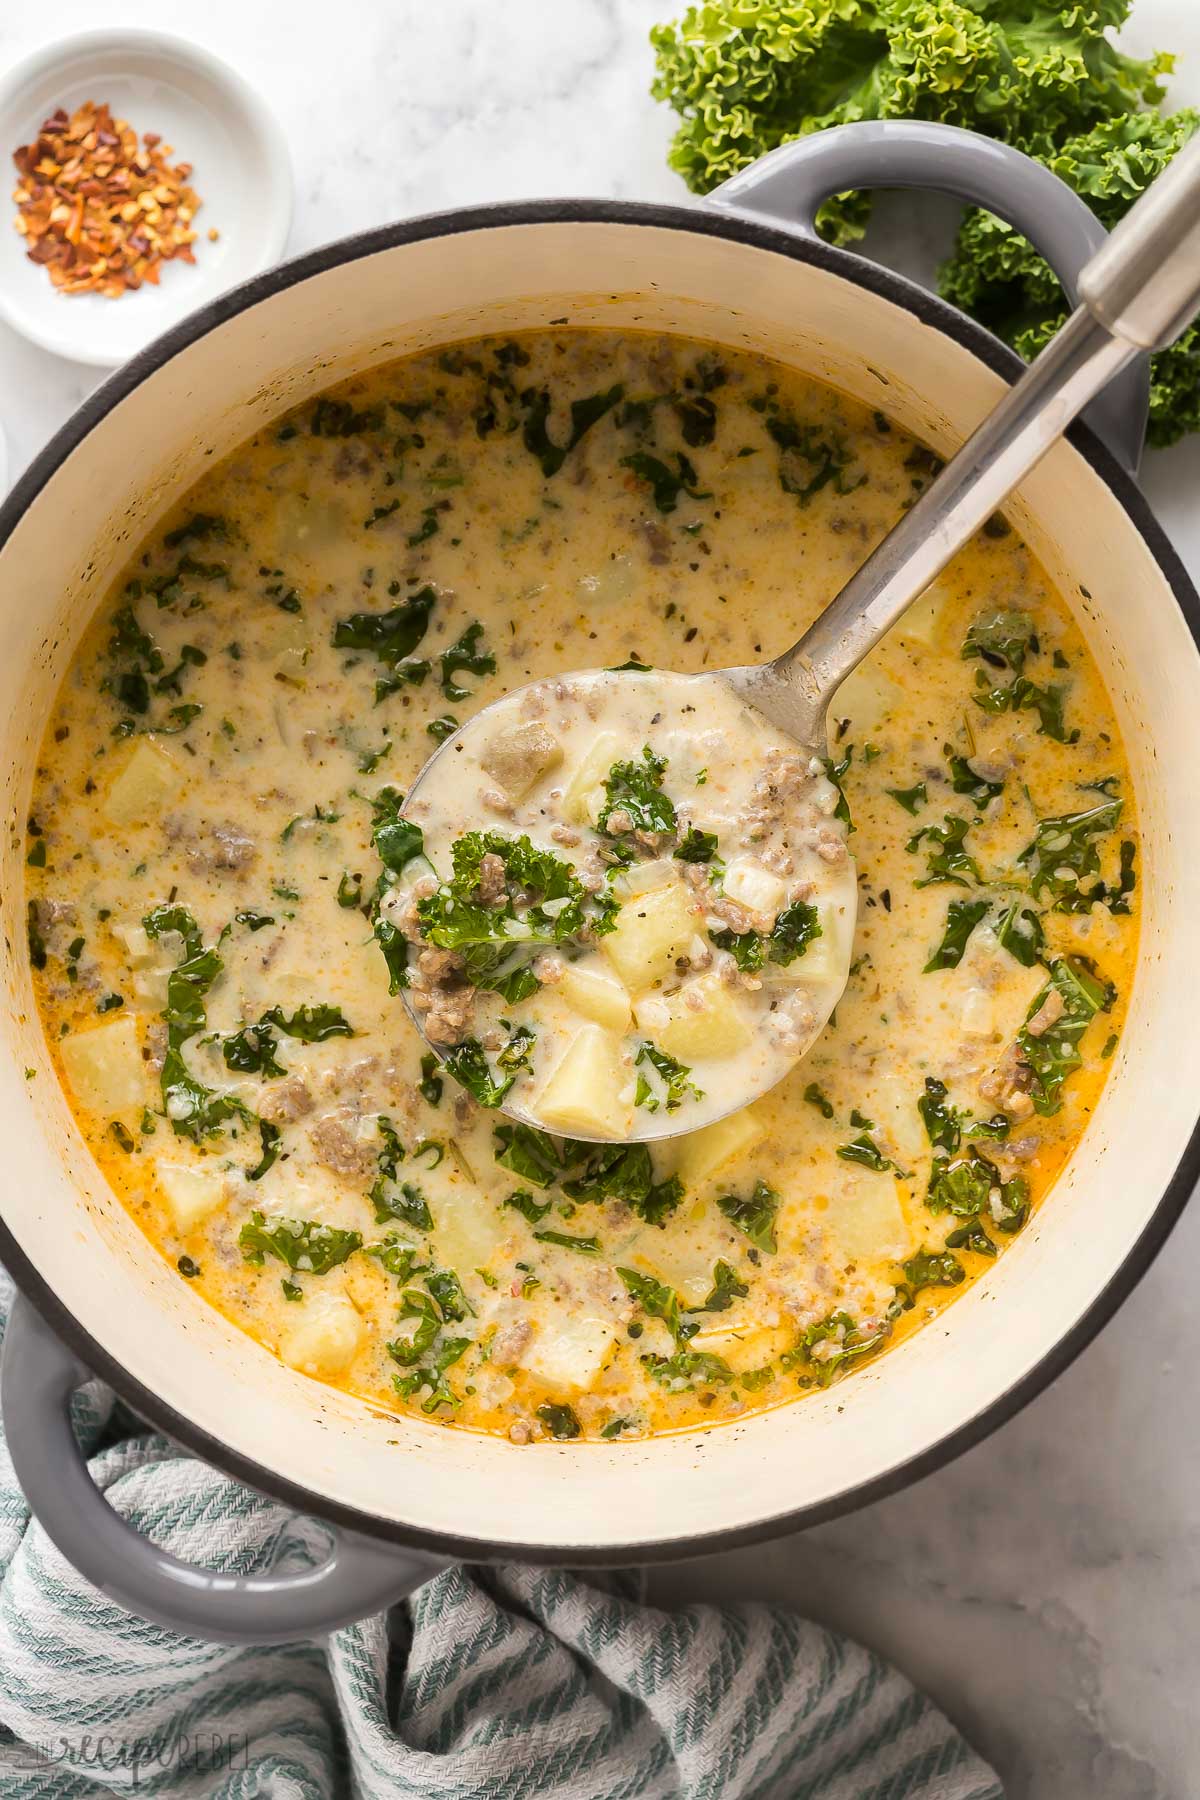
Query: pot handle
[(359, 1576), (791, 183)]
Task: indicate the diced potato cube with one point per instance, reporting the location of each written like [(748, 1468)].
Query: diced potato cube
[(750, 883), (713, 1025), (150, 964), (150, 988), (308, 526), (827, 957), (650, 933), (149, 779), (683, 1260), (923, 620), (191, 1193), (104, 1066), (702, 1153), (613, 583), (865, 697), (867, 1219), (286, 635), (741, 1337), (977, 1018), (639, 878), (584, 794), (894, 1108), (143, 951), (568, 1351), (584, 1093), (324, 1337), (597, 995), (468, 1225), (287, 667), (520, 755)]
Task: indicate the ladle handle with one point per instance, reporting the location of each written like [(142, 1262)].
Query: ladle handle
[(1138, 292), (1143, 285)]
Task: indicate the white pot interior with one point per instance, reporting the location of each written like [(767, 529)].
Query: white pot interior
[(214, 393)]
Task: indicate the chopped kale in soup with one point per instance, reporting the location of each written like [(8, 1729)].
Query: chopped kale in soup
[(227, 905)]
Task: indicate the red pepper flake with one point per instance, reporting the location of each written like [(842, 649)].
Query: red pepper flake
[(98, 211)]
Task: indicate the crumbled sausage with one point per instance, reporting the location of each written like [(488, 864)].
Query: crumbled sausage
[(831, 847), (510, 1341), (496, 802), (226, 847), (352, 458), (492, 887), (1008, 1084), (658, 544), (791, 1024), (1048, 1013), (451, 1015), (783, 782), (439, 994), (288, 1100), (336, 1146), (55, 912)]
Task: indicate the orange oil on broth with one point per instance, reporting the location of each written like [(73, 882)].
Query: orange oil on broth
[(701, 520)]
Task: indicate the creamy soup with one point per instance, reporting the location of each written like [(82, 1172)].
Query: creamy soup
[(220, 877), (661, 926)]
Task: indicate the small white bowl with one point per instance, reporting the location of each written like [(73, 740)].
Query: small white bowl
[(211, 118)]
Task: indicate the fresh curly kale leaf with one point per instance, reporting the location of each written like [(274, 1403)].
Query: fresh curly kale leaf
[(754, 1215), (396, 840), (666, 484), (304, 1244), (635, 789), (392, 635), (660, 1302), (465, 654), (675, 1077), (962, 916), (949, 859), (1023, 695), (832, 1346), (1003, 637), (584, 414), (543, 902), (310, 1024), (996, 274), (1053, 1053), (748, 75), (1064, 852)]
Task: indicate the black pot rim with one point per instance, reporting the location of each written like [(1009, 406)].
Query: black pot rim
[(705, 222)]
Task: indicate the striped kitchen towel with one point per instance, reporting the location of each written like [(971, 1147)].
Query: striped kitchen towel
[(490, 1684)]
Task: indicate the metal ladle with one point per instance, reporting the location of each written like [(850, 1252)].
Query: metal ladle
[(1137, 294)]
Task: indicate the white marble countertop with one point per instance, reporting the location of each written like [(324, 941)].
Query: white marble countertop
[(1045, 1588)]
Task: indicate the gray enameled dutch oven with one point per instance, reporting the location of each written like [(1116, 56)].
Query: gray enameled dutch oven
[(746, 270)]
